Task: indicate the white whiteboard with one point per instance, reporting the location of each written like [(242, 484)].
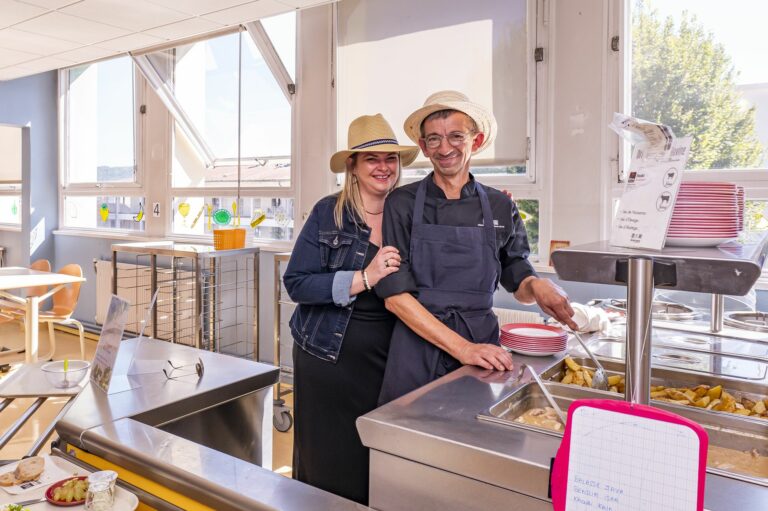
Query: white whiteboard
[(621, 462)]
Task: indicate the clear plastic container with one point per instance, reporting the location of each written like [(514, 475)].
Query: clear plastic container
[(60, 378), (101, 491)]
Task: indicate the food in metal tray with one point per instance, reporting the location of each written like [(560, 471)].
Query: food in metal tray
[(751, 462), (743, 462), (701, 396), (542, 417), (27, 469)]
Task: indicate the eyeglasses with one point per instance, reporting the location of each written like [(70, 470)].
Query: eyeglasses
[(199, 370), (456, 139)]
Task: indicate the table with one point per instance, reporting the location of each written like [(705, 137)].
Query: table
[(18, 278)]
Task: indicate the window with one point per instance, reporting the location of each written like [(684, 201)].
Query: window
[(231, 99), (11, 155), (104, 212), (99, 149), (271, 218), (100, 123), (697, 67), (390, 64)]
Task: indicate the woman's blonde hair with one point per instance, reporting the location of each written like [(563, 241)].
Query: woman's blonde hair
[(349, 198)]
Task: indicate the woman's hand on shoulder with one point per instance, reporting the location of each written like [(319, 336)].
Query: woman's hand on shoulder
[(386, 261)]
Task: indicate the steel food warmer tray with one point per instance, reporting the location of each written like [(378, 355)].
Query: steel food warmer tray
[(455, 445)]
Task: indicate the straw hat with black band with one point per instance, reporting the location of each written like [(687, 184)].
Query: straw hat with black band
[(452, 100), (372, 133)]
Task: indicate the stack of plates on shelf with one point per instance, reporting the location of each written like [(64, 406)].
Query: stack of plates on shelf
[(533, 339), (706, 214)]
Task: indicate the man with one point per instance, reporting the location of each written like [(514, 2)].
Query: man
[(457, 240)]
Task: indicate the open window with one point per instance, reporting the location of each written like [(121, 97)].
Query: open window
[(231, 101)]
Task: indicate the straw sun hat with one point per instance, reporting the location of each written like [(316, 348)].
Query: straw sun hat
[(372, 133), (452, 100)]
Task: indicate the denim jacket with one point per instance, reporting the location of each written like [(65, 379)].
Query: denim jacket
[(319, 276)]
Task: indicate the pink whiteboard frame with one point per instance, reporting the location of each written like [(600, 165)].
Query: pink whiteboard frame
[(562, 459)]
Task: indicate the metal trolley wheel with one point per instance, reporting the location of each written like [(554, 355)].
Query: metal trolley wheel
[(282, 418)]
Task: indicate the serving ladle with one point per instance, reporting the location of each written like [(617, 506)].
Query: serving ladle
[(600, 379), (547, 395)]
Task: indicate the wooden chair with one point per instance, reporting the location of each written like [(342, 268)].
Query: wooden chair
[(64, 304)]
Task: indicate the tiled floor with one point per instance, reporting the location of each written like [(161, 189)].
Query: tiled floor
[(68, 346)]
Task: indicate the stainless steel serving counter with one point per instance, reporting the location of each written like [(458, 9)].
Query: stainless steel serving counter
[(189, 444), (429, 451)]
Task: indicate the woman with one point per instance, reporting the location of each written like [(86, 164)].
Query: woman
[(340, 327)]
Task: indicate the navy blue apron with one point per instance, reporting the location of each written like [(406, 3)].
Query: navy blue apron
[(456, 270)]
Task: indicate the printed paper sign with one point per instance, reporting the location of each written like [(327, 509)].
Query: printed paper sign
[(645, 207), (109, 343)]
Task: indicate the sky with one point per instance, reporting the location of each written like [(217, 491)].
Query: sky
[(739, 25)]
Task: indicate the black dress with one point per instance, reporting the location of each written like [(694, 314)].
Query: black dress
[(328, 398)]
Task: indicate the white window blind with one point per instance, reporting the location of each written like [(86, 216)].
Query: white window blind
[(10, 154), (393, 54)]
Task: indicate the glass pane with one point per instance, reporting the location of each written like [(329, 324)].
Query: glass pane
[(529, 211), (698, 67), (206, 79), (205, 84), (266, 115), (266, 218), (100, 123), (10, 209), (281, 30), (105, 212), (756, 216)]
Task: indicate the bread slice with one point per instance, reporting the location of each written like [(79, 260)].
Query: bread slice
[(7, 479), (29, 469)]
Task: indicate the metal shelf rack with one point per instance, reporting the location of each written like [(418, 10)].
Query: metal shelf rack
[(283, 420), (207, 298)]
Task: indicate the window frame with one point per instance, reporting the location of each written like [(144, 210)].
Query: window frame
[(139, 99), (15, 188), (133, 189), (256, 31)]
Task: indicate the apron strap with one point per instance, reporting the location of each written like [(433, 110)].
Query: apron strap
[(418, 206), (485, 204)]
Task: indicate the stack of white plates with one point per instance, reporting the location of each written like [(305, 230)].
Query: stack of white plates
[(706, 214), (533, 339)]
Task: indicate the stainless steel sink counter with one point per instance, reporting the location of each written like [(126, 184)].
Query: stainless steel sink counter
[(433, 435), (186, 442)]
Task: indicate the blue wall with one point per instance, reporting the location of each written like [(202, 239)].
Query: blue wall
[(31, 102)]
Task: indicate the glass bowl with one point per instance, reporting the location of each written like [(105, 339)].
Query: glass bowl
[(54, 372)]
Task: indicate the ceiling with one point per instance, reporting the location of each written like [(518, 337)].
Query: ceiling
[(41, 35)]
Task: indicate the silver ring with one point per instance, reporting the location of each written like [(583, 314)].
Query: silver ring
[(386, 263)]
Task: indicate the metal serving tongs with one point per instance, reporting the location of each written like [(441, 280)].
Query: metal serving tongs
[(544, 390), (600, 379)]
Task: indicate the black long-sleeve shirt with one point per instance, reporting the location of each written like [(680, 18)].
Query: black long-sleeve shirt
[(511, 238)]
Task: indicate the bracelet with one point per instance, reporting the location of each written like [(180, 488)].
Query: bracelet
[(366, 285)]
